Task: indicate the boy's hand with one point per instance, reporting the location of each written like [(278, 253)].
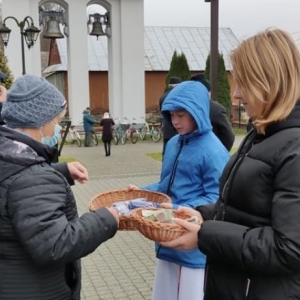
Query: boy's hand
[(132, 187)]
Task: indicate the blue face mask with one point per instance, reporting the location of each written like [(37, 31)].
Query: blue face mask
[(52, 141)]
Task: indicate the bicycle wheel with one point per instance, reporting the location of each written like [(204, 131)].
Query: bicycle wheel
[(95, 139), (134, 136), (116, 137), (124, 137), (77, 138), (156, 135), (143, 132)]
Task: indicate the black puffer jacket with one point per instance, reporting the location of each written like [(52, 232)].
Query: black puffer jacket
[(41, 236), (253, 243)]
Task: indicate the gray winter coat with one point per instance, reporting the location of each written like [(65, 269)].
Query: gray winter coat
[(41, 236)]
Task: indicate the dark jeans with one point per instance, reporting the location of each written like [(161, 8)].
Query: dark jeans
[(87, 139)]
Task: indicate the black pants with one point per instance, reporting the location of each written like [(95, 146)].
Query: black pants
[(107, 147), (87, 139)]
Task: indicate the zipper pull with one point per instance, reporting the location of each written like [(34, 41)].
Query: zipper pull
[(248, 286)]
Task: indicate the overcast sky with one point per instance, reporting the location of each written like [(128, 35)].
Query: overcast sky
[(244, 17)]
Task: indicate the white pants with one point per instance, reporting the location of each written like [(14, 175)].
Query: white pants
[(174, 282)]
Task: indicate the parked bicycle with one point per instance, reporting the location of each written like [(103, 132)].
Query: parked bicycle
[(154, 132), (72, 135), (118, 131), (130, 132), (94, 138)]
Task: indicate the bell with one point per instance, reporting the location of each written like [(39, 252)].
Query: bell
[(52, 30), (97, 29)]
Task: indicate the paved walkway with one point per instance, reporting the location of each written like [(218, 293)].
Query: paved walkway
[(123, 267)]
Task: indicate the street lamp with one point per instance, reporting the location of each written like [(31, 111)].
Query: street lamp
[(214, 46), (30, 34)]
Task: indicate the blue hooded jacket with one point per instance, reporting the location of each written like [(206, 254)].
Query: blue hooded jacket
[(192, 164)]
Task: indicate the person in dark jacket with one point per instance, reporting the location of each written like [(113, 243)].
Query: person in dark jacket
[(218, 117), (252, 235), (168, 129), (41, 236), (107, 123), (88, 126)]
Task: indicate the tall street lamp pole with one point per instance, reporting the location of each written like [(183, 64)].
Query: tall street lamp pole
[(30, 34), (214, 47)]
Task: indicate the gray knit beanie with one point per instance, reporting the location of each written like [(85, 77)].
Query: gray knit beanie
[(32, 102)]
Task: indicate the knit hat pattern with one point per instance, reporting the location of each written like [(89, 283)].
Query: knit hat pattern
[(32, 102)]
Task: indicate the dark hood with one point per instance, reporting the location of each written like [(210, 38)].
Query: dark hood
[(19, 151)]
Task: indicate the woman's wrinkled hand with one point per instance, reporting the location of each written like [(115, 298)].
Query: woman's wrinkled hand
[(78, 172), (132, 187)]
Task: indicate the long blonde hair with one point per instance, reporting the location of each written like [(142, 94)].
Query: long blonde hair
[(266, 68)]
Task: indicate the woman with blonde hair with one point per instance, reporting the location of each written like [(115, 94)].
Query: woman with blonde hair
[(107, 123), (252, 235)]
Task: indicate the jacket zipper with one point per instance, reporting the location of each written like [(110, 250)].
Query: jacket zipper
[(236, 164), (171, 182), (205, 278), (174, 168), (248, 287)]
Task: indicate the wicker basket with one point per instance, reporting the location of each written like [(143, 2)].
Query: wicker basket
[(107, 199), (156, 231)]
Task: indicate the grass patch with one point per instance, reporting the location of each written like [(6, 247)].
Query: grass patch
[(66, 159), (239, 131), (232, 151), (157, 156)]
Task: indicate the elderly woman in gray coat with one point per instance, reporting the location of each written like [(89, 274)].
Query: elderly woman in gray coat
[(42, 238)]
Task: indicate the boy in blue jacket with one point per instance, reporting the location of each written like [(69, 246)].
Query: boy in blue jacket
[(193, 163)]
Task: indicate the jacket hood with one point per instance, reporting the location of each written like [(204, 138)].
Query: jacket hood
[(194, 98), (19, 151)]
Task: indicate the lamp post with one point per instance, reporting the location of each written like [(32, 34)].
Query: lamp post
[(30, 34), (214, 47)]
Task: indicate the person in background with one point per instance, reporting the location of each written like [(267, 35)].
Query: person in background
[(2, 96), (88, 126), (107, 123), (167, 128), (218, 117), (193, 163), (249, 125), (252, 235), (42, 237)]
